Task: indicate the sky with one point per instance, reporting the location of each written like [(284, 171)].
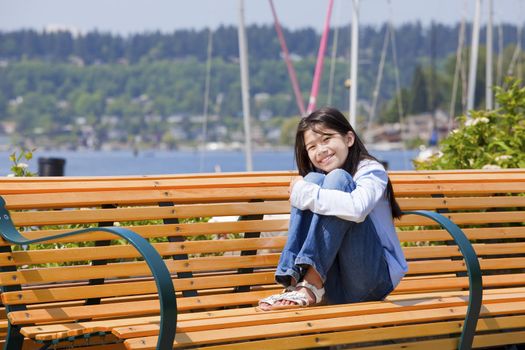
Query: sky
[(137, 16)]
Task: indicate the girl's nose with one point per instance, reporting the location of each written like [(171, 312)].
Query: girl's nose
[(321, 150)]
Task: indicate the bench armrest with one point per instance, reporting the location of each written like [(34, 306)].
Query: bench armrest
[(161, 274), (473, 270)]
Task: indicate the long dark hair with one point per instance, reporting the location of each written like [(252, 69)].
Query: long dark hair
[(333, 119)]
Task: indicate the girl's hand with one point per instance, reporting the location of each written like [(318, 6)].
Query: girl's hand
[(292, 183)]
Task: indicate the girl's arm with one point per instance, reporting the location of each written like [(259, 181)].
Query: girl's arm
[(351, 206)]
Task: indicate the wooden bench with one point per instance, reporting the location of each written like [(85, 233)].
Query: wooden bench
[(99, 292)]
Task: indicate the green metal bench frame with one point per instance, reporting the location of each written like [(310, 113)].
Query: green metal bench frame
[(474, 275), (161, 274)]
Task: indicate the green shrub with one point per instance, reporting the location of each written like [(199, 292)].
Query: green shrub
[(489, 139)]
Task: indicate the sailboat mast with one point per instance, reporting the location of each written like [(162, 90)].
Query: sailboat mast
[(206, 98), (489, 67), (288, 61), (245, 87), (473, 58), (320, 60), (353, 62)]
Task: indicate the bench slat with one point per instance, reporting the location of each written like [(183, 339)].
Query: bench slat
[(148, 213), (87, 199), (378, 334), (471, 233), (173, 230), (454, 203), (331, 324)]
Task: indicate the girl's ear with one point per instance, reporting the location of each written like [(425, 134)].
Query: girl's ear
[(350, 138)]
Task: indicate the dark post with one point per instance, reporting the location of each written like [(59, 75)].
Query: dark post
[(51, 166)]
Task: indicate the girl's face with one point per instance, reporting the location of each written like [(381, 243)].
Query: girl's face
[(327, 149)]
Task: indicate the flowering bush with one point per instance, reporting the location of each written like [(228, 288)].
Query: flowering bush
[(488, 139), (20, 168)]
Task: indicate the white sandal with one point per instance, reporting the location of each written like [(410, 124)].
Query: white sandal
[(300, 299)]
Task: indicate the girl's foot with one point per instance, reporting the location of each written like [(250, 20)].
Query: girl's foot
[(305, 294)]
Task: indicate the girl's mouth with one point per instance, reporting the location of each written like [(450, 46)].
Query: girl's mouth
[(326, 159)]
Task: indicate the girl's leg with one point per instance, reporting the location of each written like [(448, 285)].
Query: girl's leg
[(299, 224), (360, 271), (347, 256)]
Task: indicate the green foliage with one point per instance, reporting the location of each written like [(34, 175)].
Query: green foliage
[(488, 139), (288, 131), (20, 168), (420, 100), (94, 88)]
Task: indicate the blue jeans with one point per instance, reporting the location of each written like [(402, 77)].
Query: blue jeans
[(348, 256)]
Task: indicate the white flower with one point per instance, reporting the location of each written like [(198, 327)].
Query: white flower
[(474, 121), (11, 175), (490, 167), (22, 165), (454, 131), (503, 157)]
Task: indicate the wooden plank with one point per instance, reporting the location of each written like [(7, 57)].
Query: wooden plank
[(454, 203), (395, 175), (450, 283), (480, 341), (442, 266), (458, 188), (270, 225), (162, 176), (167, 230), (166, 249), (42, 256), (467, 218), (127, 288), (471, 233), (481, 249), (37, 218), (230, 209), (145, 184), (130, 269), (70, 199), (136, 308), (324, 325), (88, 199), (371, 335)]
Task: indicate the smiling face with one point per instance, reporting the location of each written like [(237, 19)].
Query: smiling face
[(327, 149)]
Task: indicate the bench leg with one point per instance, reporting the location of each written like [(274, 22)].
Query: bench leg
[(14, 339)]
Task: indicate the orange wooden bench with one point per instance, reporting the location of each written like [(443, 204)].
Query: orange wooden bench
[(93, 290)]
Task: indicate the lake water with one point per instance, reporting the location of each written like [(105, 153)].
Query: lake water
[(102, 163)]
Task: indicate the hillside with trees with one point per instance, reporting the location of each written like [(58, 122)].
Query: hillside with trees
[(97, 88)]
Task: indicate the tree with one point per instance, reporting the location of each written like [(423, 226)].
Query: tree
[(419, 101), (488, 139)]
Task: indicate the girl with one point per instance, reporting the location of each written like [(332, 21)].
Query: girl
[(342, 245)]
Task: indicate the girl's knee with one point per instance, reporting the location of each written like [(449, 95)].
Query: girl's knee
[(316, 178), (339, 179)]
